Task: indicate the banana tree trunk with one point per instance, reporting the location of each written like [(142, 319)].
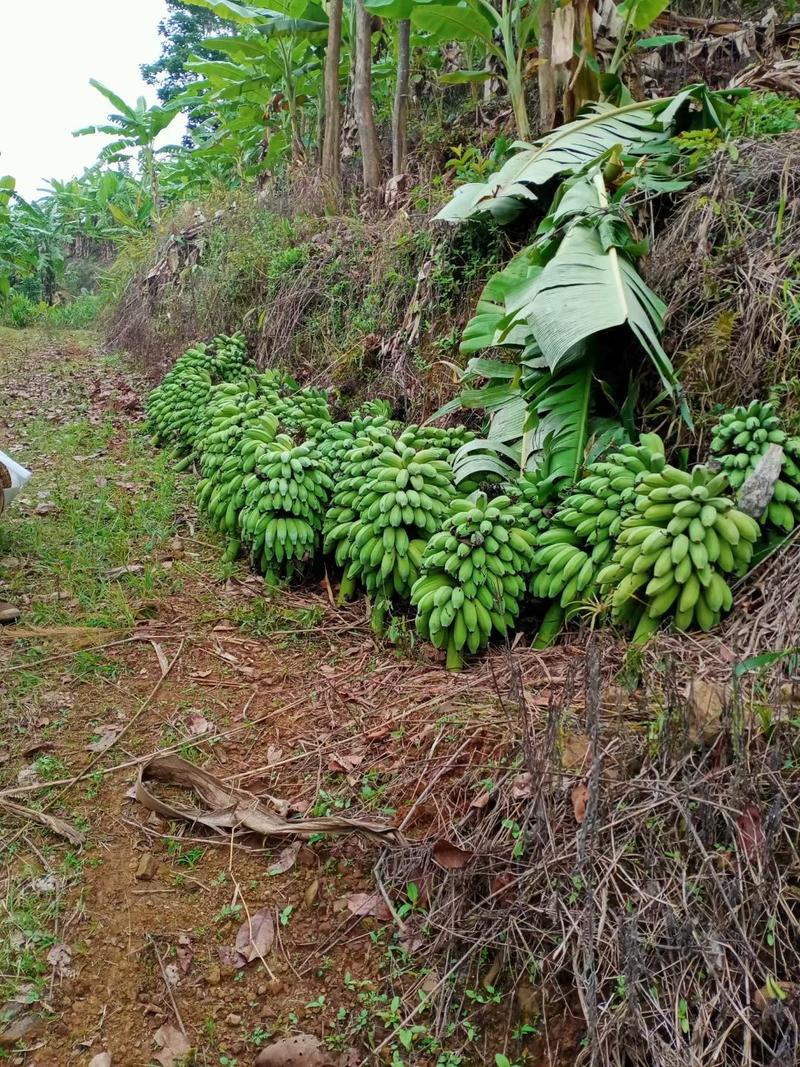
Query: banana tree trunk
[(547, 79), (362, 103), (400, 111), (515, 82), (331, 150), (151, 173)]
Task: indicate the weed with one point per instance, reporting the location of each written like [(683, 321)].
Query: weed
[(185, 857), (228, 912)]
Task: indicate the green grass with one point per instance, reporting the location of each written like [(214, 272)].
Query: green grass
[(99, 524), (263, 617)]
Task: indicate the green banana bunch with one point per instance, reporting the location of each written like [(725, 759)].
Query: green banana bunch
[(222, 494), (175, 407), (229, 357), (400, 504), (336, 440), (674, 550), (473, 575), (536, 495), (740, 439), (360, 455), (448, 438), (228, 409), (303, 412), (580, 539), (285, 496)]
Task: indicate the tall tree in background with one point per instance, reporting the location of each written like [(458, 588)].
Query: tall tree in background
[(182, 34), (362, 103), (547, 77), (400, 110), (331, 152)]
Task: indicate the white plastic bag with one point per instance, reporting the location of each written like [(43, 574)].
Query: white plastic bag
[(18, 475)]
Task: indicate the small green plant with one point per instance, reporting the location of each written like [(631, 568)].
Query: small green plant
[(286, 914), (764, 115), (228, 912)]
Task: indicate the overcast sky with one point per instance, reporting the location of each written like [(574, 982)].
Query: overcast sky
[(50, 50)]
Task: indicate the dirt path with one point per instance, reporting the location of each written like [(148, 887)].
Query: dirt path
[(130, 621)]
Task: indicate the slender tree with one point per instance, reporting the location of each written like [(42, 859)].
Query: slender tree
[(331, 155), (362, 103), (547, 77), (401, 93)]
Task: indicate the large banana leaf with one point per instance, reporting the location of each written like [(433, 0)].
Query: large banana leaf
[(484, 329), (300, 19), (573, 147), (584, 290), (561, 406)]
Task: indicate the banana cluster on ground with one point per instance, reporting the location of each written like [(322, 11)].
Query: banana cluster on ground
[(337, 441), (674, 551), (397, 507), (229, 408), (303, 412), (634, 538), (175, 408), (740, 439), (285, 497), (473, 575), (222, 494), (573, 546)]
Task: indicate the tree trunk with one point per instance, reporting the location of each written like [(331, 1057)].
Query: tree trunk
[(331, 146), (150, 169), (400, 111), (547, 78), (362, 103)]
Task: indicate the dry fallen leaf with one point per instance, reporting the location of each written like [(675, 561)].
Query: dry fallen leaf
[(345, 762), (364, 904), (500, 884), (118, 572), (184, 953), (580, 799), (255, 937), (302, 1050), (522, 786), (60, 957), (450, 856), (102, 1059), (161, 656), (107, 735), (173, 1044), (286, 859), (198, 724), (481, 800), (751, 832)]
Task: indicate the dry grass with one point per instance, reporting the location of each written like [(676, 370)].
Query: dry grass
[(724, 263), (640, 886)]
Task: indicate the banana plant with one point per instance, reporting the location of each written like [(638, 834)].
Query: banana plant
[(556, 309), (134, 130), (505, 32), (7, 186), (275, 59), (635, 128)]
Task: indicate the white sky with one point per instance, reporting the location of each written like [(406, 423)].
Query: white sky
[(48, 52)]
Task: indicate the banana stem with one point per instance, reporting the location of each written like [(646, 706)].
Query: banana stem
[(346, 590), (455, 661), (551, 626)]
